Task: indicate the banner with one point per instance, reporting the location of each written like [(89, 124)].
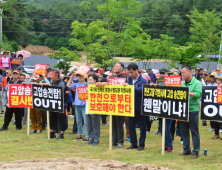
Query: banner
[(40, 69), (172, 81), (219, 94), (210, 109), (49, 98), (20, 95), (16, 61), (83, 92), (116, 81), (166, 102), (83, 70), (111, 100)]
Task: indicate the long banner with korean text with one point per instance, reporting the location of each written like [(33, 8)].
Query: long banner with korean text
[(20, 95), (210, 109), (111, 100), (166, 102)]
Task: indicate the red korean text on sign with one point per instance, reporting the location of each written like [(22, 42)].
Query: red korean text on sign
[(40, 69), (116, 81), (20, 95), (219, 95), (172, 81), (83, 92)]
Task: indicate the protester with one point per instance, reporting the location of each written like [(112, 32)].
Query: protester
[(195, 88), (8, 78), (5, 63), (56, 117), (35, 114), (151, 75), (137, 80), (13, 66), (80, 107), (9, 111), (20, 56), (102, 72), (218, 72), (1, 95), (20, 70), (93, 120), (117, 122)]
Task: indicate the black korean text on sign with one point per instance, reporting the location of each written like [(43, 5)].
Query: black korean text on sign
[(49, 98), (166, 102), (210, 109)]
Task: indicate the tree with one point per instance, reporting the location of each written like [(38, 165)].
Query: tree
[(18, 30), (205, 32), (145, 49), (167, 50), (65, 58)]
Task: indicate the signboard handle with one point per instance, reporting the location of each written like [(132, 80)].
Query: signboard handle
[(48, 128), (28, 121), (110, 132), (163, 135)]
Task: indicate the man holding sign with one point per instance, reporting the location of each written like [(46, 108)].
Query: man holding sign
[(9, 111), (195, 88), (117, 123), (57, 117), (137, 80)]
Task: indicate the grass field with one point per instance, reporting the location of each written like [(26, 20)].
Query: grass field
[(16, 145)]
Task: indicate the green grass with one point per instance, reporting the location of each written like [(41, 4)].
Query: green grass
[(17, 145)]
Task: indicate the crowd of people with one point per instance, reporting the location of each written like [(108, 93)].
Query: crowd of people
[(13, 74)]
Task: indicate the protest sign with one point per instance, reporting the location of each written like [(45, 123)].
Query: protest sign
[(20, 95), (40, 69), (210, 109), (49, 98), (116, 81), (172, 81), (166, 102), (219, 94), (83, 92), (83, 70), (16, 61), (111, 100)]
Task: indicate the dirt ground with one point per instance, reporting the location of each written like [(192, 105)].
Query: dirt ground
[(75, 164)]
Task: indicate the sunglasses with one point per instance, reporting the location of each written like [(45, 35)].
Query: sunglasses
[(162, 73), (217, 70)]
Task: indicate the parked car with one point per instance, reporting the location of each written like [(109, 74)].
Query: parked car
[(29, 69)]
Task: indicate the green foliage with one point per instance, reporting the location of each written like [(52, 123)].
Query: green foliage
[(18, 30), (65, 58), (206, 31)]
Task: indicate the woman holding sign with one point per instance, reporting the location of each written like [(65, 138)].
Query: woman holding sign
[(80, 105), (5, 63), (93, 120)]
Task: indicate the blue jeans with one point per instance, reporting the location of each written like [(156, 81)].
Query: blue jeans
[(3, 72), (80, 113), (186, 127), (168, 136)]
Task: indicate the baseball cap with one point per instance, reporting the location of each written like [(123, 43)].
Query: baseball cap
[(101, 69), (5, 52)]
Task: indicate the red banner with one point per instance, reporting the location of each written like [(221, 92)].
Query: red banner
[(16, 61), (172, 81), (40, 69), (219, 94), (116, 81), (83, 92), (20, 95)]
